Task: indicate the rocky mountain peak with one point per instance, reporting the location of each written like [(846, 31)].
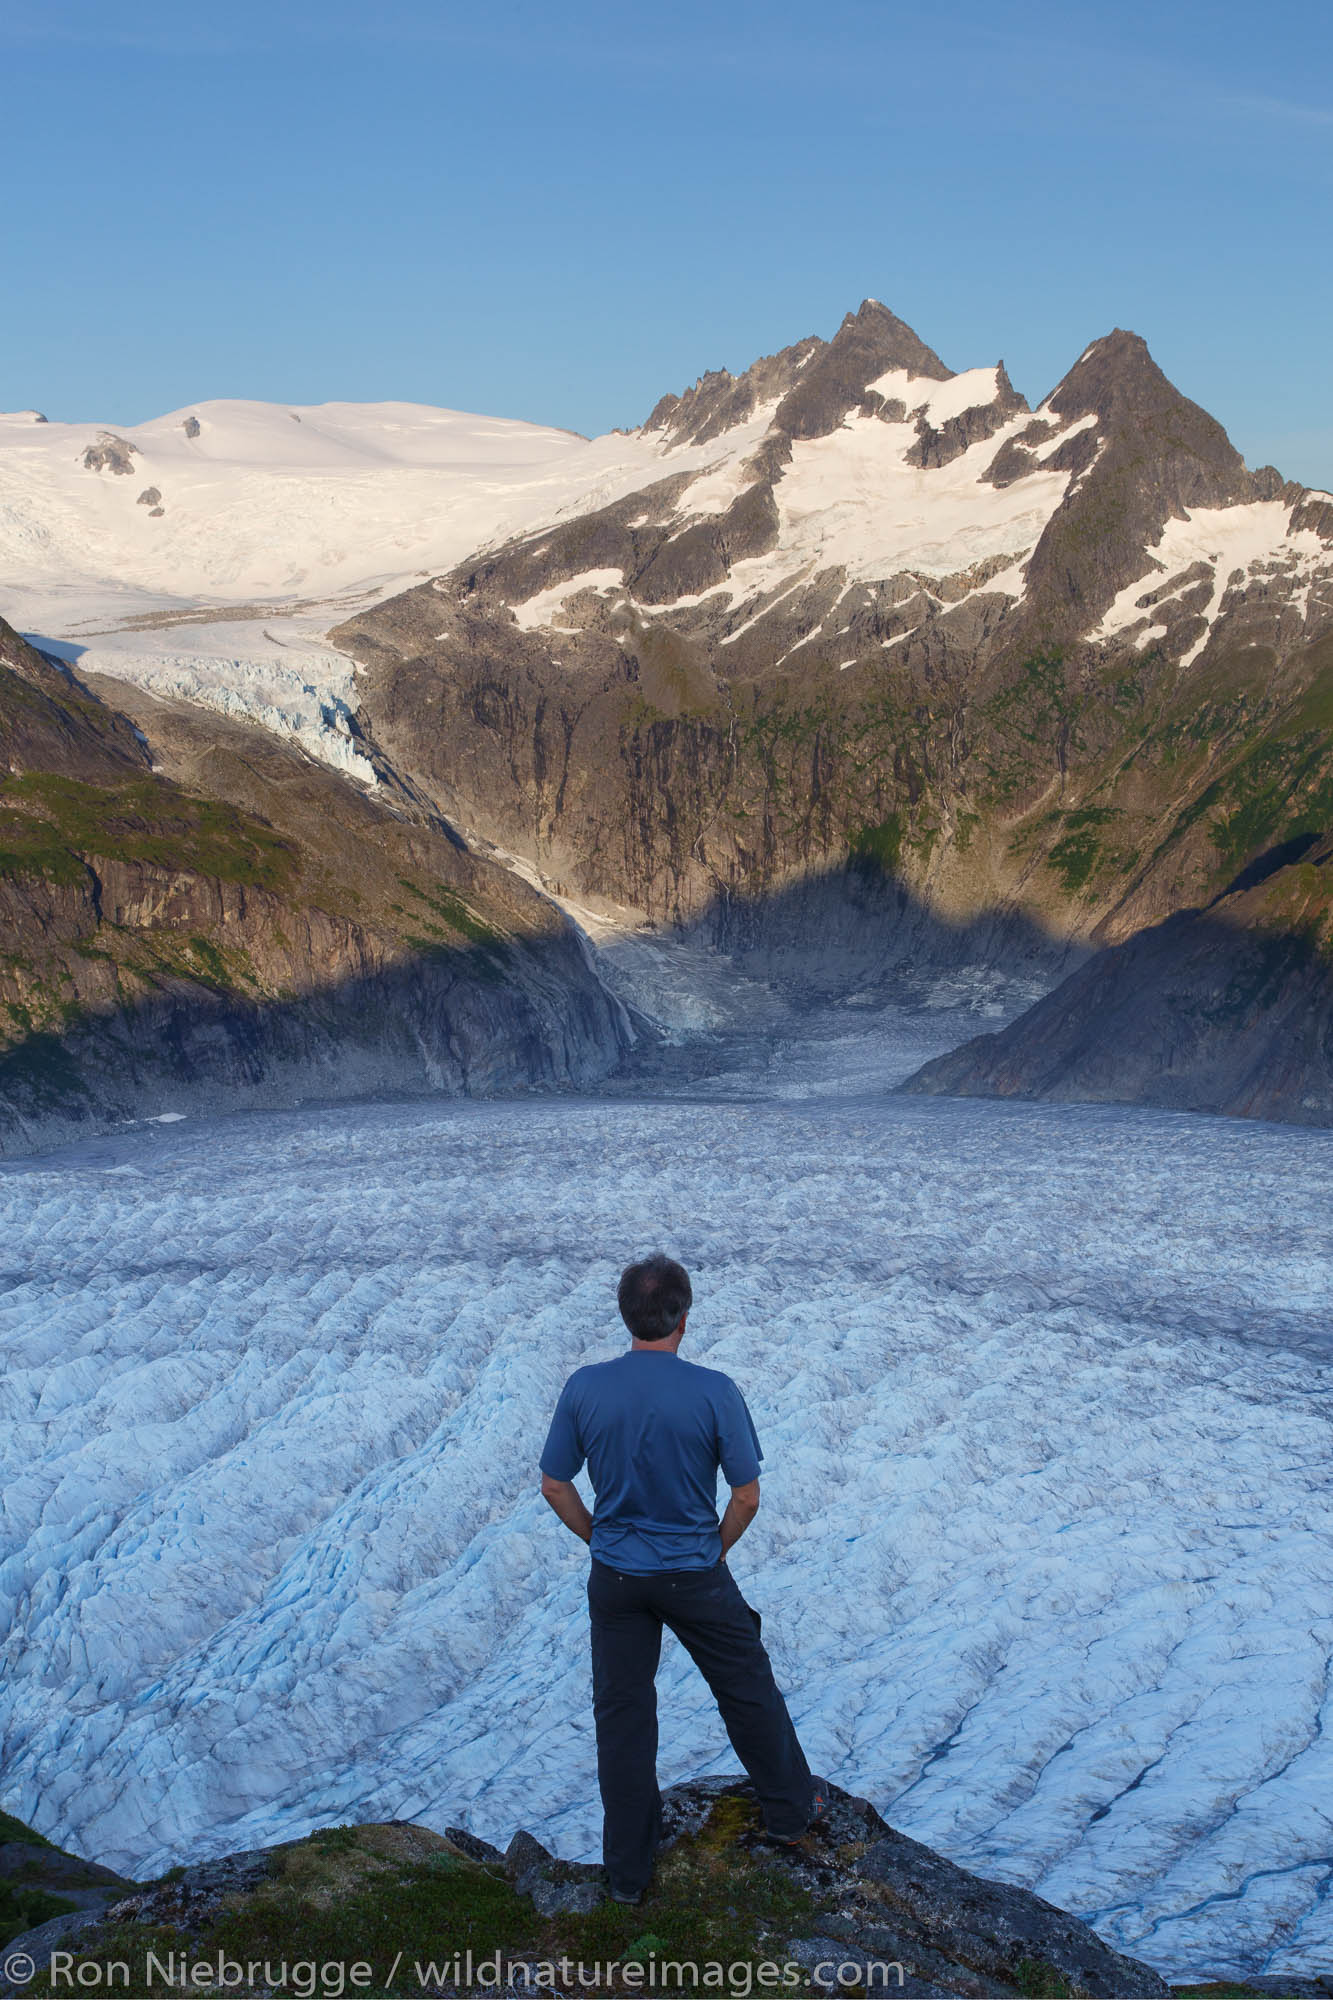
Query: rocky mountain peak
[(814, 382), (1117, 381), (1191, 457), (869, 343), (1145, 455), (872, 325), (720, 400)]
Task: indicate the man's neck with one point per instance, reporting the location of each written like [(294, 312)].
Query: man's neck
[(667, 1346)]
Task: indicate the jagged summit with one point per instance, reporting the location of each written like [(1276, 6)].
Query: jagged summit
[(813, 383), (1145, 457), (1117, 381), (870, 343)]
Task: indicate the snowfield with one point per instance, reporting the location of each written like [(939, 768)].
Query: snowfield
[(206, 554), (1046, 1549), (234, 535)]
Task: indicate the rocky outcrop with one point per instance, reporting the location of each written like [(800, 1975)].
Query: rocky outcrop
[(1224, 1009), (110, 453), (981, 420), (217, 921), (879, 1896), (824, 1915), (46, 1893)]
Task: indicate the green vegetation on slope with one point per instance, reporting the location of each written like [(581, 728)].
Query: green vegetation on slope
[(49, 824), (397, 1898)]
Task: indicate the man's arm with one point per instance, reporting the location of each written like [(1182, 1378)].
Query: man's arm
[(741, 1510), (563, 1495)]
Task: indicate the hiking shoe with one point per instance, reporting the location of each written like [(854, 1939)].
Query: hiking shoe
[(818, 1812), (630, 1896)]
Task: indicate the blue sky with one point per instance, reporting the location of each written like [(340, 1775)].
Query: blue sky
[(561, 211)]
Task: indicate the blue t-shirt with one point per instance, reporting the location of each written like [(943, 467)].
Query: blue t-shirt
[(654, 1429)]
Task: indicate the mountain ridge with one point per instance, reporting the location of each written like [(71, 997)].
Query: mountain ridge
[(847, 617), (1050, 664), (702, 555), (194, 914)]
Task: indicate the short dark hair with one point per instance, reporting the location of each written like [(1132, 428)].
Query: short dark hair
[(653, 1297)]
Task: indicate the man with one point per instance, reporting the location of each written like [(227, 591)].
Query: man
[(654, 1430)]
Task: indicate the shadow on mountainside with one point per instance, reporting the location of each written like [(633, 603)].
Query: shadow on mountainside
[(841, 927), (217, 920), (198, 916), (492, 1014), (1226, 1009), (467, 1021)]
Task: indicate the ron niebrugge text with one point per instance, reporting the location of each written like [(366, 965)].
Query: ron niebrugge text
[(325, 1979)]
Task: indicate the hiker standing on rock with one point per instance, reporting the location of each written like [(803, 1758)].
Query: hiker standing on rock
[(654, 1431)]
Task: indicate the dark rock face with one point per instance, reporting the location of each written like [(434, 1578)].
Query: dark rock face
[(885, 1898), (868, 344), (720, 400), (1160, 456), (218, 922), (816, 381), (1224, 1009), (935, 448)]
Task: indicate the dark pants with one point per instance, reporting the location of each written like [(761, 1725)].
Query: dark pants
[(720, 1632)]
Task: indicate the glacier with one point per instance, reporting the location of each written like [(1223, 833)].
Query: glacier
[(1045, 1554)]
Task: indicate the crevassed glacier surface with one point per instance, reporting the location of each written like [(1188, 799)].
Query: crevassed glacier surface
[(1046, 1549)]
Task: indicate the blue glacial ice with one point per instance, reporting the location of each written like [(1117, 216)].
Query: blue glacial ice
[(1045, 1554)]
